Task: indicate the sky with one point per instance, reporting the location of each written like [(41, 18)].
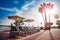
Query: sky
[(28, 9)]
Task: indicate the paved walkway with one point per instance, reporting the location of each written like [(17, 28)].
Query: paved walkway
[(53, 34)]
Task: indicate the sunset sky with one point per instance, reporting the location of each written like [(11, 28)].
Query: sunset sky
[(28, 9)]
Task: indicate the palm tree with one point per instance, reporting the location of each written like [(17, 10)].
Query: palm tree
[(43, 9)]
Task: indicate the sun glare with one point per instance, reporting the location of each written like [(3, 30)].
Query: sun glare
[(51, 12)]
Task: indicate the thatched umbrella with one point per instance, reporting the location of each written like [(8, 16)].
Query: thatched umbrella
[(15, 17), (18, 22), (18, 19), (58, 23), (56, 16), (28, 20)]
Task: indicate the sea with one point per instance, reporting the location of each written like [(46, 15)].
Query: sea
[(4, 28)]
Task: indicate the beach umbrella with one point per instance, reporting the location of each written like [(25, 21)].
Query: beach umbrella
[(28, 20), (15, 17), (56, 16), (58, 22), (18, 19)]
